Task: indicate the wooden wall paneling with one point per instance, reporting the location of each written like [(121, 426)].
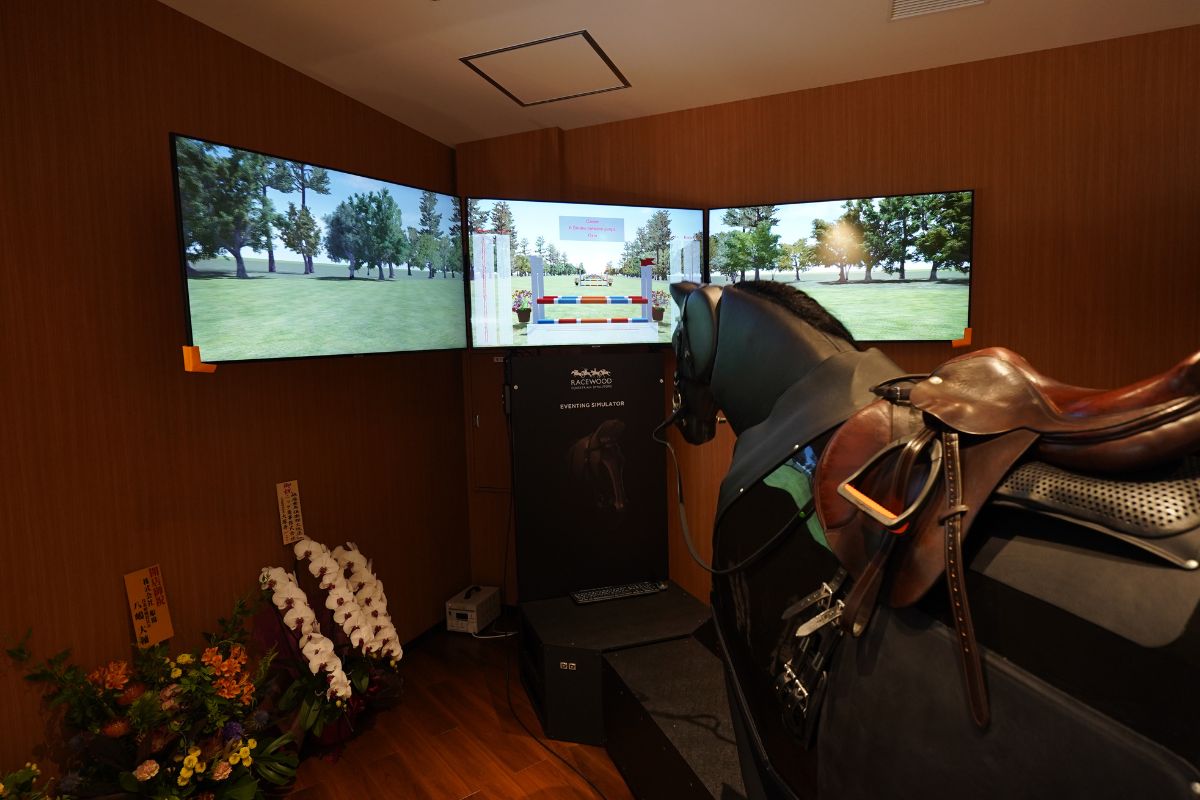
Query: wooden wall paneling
[(522, 165), (111, 457), (1084, 161)]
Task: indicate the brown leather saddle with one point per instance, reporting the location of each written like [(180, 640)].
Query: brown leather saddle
[(901, 482)]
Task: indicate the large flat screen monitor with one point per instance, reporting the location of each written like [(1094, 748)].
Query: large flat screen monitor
[(285, 259), (546, 274), (890, 268)]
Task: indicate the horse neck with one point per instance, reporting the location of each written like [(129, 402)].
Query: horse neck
[(762, 350)]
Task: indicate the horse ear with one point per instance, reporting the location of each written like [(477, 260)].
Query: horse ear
[(681, 290), (700, 317)]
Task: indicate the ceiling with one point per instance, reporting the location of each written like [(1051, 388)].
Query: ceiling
[(402, 57)]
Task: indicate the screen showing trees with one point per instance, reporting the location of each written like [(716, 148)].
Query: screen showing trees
[(890, 268), (285, 259)]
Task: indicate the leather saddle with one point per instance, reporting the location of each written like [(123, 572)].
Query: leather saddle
[(900, 483)]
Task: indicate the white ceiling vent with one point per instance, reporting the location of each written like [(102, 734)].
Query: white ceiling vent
[(903, 9)]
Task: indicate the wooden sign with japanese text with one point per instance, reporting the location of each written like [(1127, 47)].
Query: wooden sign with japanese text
[(291, 522), (148, 606)]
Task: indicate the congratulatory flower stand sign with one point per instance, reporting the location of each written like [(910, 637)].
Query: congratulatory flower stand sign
[(148, 606)]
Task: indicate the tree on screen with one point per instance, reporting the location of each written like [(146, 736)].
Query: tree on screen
[(341, 236), (362, 231), (764, 248), (838, 244), (748, 218), (656, 241), (273, 174), (477, 218), (903, 221), (520, 265), (220, 202), (945, 241), (431, 220), (400, 246), (305, 178), (300, 232), (799, 256), (731, 254), (503, 223), (877, 245)]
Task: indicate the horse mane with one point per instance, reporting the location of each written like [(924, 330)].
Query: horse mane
[(800, 304)]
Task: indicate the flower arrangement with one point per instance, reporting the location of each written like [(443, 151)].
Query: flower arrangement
[(22, 784), (348, 666), (522, 298), (168, 726), (659, 298)]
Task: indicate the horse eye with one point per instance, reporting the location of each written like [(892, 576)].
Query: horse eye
[(676, 400)]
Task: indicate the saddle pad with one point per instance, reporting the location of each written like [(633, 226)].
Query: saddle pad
[(893, 728), (1157, 514)]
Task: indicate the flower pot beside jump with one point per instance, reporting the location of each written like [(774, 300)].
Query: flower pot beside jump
[(523, 314), (657, 313)]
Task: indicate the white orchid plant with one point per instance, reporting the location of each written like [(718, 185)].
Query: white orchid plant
[(355, 600)]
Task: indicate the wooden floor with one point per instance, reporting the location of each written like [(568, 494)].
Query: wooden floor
[(453, 737)]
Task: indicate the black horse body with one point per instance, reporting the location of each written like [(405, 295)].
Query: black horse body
[(1092, 648)]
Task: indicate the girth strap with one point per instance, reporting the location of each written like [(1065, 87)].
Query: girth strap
[(951, 519)]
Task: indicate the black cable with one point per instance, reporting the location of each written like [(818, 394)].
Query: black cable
[(801, 516)]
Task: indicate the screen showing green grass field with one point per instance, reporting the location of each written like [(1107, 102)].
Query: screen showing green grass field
[(545, 274), (890, 268), (286, 260)]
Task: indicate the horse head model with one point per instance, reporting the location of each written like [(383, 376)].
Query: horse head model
[(1086, 508)]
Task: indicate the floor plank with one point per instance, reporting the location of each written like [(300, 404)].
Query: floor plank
[(454, 737)]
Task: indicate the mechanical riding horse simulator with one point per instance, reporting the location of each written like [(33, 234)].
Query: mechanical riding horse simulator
[(872, 649)]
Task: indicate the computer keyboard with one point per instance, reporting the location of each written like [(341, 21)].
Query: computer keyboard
[(617, 592)]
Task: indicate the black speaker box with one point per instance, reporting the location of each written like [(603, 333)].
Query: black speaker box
[(561, 646)]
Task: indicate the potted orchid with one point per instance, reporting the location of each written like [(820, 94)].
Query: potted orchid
[(522, 304), (344, 651)]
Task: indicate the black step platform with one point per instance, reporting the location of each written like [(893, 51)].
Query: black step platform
[(562, 644), (667, 722)]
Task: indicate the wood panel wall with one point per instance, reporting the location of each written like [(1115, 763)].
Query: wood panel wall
[(1086, 166), (111, 456)]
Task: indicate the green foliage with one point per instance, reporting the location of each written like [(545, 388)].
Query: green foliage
[(431, 220), (85, 705), (945, 241), (300, 232), (221, 201), (503, 222), (764, 249), (21, 784), (366, 230), (730, 253), (749, 217)]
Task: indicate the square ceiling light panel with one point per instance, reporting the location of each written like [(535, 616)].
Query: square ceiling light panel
[(549, 70)]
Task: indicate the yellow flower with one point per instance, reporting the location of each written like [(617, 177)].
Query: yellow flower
[(175, 673), (193, 751), (201, 766), (186, 772), (184, 658), (182, 780), (244, 753), (252, 744), (248, 761), (234, 758), (189, 763), (3, 791)]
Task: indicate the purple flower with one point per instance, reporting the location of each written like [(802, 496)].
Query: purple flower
[(70, 782), (258, 720), (231, 731)]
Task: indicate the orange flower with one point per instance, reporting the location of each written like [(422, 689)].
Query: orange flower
[(131, 693), (116, 728), (113, 676), (211, 657), (237, 653)]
